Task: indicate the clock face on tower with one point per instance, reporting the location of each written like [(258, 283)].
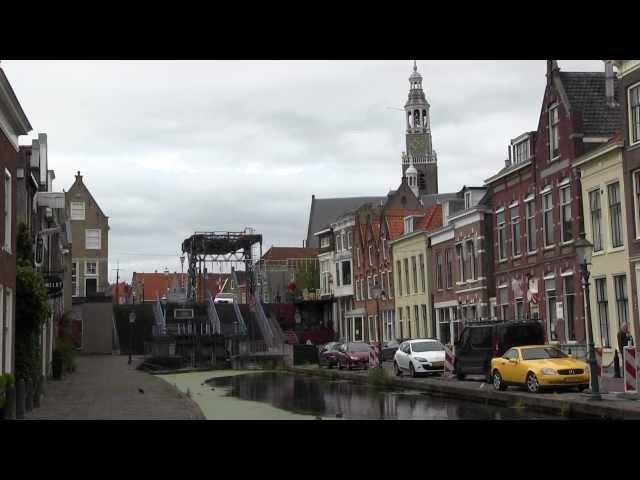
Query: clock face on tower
[(416, 146)]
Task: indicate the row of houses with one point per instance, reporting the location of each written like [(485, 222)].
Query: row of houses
[(425, 262), (67, 231)]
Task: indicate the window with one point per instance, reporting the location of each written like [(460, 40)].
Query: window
[(603, 314), (634, 110), (77, 211), (416, 315), (550, 290), (448, 254), (346, 272), (504, 303), (368, 288), (414, 269), (460, 251), (7, 211), (422, 279), (91, 268), (408, 225), (358, 252), (519, 309), (400, 322), (406, 276), (92, 239), (521, 151), (389, 284), (620, 283), (74, 279), (445, 328), (596, 219), (371, 255), (554, 120), (570, 307), (338, 274), (636, 203), (615, 214), (471, 254), (349, 240), (338, 242), (438, 270), (324, 241), (409, 322), (427, 333), (547, 225), (531, 226), (502, 236), (515, 231), (467, 200), (383, 242), (565, 213)]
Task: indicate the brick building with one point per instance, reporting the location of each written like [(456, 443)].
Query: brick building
[(13, 124), (462, 263), (537, 204)]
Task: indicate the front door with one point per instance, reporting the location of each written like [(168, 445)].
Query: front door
[(91, 287)]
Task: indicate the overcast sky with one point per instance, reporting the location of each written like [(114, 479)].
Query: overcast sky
[(171, 147)]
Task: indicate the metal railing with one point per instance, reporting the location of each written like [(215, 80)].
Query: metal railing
[(213, 316), (242, 326)]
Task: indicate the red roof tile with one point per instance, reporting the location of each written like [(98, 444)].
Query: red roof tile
[(285, 253), (156, 284)]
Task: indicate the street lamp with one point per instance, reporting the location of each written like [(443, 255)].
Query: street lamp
[(379, 294), (132, 321), (584, 249)]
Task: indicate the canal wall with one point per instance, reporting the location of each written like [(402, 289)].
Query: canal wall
[(566, 405)]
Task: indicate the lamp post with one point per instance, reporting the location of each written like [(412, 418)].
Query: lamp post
[(378, 294), (584, 249), (132, 320)]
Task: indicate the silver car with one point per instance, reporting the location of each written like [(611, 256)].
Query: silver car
[(419, 357)]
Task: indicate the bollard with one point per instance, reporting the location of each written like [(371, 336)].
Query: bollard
[(20, 398), (28, 397), (616, 365), (10, 406)]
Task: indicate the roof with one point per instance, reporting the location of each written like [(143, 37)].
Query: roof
[(431, 199), (431, 218), (586, 94), (325, 211), (286, 253), (78, 183), (156, 284), (17, 116)]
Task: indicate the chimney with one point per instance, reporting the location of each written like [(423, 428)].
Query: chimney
[(78, 177), (608, 83), (552, 66)]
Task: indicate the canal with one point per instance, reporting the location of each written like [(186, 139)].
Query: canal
[(225, 395)]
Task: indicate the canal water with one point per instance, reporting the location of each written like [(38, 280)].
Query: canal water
[(280, 395)]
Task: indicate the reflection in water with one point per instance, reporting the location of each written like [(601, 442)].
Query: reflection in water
[(316, 396)]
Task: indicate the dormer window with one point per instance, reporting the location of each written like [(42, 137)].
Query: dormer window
[(408, 224), (324, 241), (467, 200), (521, 151), (634, 113)]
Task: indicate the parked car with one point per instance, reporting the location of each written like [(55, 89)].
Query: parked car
[(419, 356), (389, 349), (537, 367), (480, 342), (328, 354), (354, 354)]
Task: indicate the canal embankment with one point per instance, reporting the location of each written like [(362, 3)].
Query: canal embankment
[(562, 404)]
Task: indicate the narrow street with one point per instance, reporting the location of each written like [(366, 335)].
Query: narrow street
[(105, 387)]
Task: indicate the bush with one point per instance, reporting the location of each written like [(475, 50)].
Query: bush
[(6, 380), (65, 353)]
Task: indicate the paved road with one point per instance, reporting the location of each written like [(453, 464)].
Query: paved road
[(105, 387)]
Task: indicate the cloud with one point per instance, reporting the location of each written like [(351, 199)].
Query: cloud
[(171, 147)]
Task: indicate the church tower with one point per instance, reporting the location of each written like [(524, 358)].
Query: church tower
[(419, 153)]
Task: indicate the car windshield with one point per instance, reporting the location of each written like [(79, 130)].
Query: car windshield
[(541, 353), (391, 344), (426, 347), (359, 347)]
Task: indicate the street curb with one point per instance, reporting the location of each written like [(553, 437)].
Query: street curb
[(571, 408)]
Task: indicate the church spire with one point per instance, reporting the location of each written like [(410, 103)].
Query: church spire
[(420, 155)]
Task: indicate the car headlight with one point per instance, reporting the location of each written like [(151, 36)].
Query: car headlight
[(548, 371), (420, 359)]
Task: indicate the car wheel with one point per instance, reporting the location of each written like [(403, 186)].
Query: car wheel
[(498, 384), (532, 383), (396, 369), (412, 370), (459, 373)]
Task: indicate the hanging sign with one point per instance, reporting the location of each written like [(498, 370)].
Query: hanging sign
[(54, 283), (39, 251)]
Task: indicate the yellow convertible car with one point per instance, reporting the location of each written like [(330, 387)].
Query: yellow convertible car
[(537, 367)]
